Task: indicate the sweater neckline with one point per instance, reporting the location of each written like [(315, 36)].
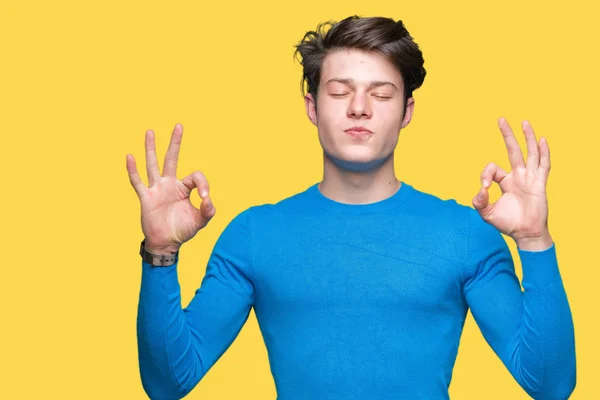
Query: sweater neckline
[(393, 201)]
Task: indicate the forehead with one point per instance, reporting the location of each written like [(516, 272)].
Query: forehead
[(360, 66)]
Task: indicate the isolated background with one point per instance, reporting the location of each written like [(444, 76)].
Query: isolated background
[(80, 82)]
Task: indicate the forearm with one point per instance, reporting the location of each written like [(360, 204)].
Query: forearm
[(545, 352), (165, 349)]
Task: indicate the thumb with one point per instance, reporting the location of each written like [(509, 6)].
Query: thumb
[(481, 202), (207, 210)]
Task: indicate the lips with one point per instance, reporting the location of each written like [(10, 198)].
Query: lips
[(358, 129), (359, 132)]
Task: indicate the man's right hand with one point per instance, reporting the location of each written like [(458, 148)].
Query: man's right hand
[(169, 219)]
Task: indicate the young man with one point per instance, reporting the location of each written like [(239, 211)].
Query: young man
[(361, 283)]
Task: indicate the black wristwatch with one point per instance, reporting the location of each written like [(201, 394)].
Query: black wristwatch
[(158, 260)]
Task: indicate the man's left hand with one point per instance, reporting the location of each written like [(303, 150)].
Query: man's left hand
[(521, 212)]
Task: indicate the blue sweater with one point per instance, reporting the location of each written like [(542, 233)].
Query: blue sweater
[(360, 301)]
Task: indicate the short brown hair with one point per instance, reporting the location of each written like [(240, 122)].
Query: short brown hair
[(383, 35)]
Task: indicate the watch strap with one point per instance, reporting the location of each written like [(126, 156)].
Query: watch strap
[(158, 260)]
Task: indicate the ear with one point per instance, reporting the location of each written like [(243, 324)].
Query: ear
[(408, 113), (311, 108)]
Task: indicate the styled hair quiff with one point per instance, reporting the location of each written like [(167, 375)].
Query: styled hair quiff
[(382, 35)]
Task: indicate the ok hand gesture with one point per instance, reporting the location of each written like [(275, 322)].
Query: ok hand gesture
[(522, 210), (169, 219)]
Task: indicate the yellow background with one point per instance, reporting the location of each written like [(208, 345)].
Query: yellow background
[(80, 82)]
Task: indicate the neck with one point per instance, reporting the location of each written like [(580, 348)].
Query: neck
[(351, 187)]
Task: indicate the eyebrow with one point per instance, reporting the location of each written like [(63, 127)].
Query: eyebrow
[(348, 81)]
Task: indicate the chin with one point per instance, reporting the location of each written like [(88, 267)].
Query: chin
[(357, 162)]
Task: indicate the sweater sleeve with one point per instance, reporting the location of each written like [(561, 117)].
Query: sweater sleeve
[(531, 330), (177, 347)]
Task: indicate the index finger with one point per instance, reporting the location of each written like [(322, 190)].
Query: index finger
[(172, 155), (515, 155)]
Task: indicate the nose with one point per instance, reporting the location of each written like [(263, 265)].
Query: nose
[(359, 106)]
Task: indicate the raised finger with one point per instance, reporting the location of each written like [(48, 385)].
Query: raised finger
[(533, 152), (172, 155), (493, 173), (197, 180), (151, 161), (134, 177), (544, 157), (515, 155)]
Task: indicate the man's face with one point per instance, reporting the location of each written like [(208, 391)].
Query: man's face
[(360, 108)]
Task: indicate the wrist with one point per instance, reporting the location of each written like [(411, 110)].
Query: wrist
[(537, 243), (160, 250)]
